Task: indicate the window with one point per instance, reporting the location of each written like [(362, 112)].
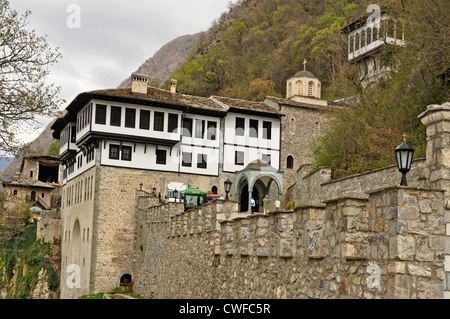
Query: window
[(116, 114), (201, 160), (299, 84), (114, 151), (173, 123), (290, 162), (239, 158), (186, 159), (144, 120), (254, 128), (187, 127), (161, 157), (158, 122), (266, 158), (317, 129), (357, 42), (15, 192), (130, 118), (374, 34), (240, 122), (267, 130), (310, 89), (369, 36), (363, 39), (73, 137), (199, 128), (292, 126), (351, 44), (212, 130), (126, 153), (100, 114)]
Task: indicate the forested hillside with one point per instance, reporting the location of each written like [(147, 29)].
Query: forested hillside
[(250, 52)]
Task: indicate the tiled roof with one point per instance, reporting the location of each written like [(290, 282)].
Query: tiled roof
[(245, 105), (158, 96), (29, 183)]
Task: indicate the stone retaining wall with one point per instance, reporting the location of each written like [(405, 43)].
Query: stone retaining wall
[(389, 245)]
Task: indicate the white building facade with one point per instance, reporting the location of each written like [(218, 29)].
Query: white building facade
[(114, 142)]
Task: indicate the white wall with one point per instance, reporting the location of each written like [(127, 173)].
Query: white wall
[(122, 130), (253, 147)]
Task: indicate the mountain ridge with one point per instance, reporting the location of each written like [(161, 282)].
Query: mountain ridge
[(158, 68), (161, 65)]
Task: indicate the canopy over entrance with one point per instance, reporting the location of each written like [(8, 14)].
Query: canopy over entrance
[(256, 181)]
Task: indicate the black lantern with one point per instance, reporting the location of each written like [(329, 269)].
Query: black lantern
[(227, 185), (154, 190), (404, 154), (175, 194), (140, 186)]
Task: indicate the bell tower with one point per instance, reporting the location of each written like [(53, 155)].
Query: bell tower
[(303, 84)]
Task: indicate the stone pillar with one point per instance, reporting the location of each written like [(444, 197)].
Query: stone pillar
[(250, 194), (437, 120)]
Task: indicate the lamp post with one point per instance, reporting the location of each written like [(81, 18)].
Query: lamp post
[(227, 186), (404, 154), (175, 194)]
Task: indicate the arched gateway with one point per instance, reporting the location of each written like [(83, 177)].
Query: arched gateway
[(257, 180)]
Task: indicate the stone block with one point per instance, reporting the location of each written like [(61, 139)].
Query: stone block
[(424, 253), (262, 252), (262, 222), (285, 248), (402, 247), (437, 243), (354, 251), (407, 213), (421, 271), (397, 268), (261, 232), (427, 289), (351, 211), (425, 207), (399, 287)]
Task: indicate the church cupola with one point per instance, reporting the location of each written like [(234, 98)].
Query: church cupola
[(303, 84)]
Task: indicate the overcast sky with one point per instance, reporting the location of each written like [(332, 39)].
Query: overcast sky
[(104, 41)]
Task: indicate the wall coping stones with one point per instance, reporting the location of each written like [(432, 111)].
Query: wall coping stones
[(398, 187)]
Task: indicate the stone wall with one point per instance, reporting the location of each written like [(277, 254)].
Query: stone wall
[(49, 226), (313, 188), (327, 251), (175, 250), (307, 123), (358, 237)]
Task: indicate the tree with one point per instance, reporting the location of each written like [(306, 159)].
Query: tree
[(24, 61)]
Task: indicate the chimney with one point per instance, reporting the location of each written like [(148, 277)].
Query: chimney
[(173, 86), (139, 84)]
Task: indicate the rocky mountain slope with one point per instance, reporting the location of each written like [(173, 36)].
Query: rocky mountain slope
[(158, 68), (165, 60)]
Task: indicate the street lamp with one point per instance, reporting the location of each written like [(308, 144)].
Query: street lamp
[(404, 154), (175, 194), (227, 186)]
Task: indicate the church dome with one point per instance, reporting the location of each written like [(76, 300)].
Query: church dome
[(304, 73)]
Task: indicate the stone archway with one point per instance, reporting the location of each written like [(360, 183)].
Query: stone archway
[(75, 243), (258, 179)]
